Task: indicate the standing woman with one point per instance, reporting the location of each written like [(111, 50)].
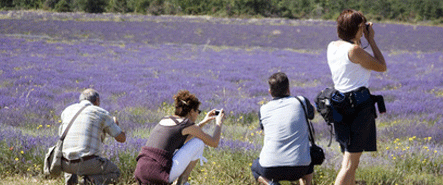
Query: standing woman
[(176, 143), (351, 68)]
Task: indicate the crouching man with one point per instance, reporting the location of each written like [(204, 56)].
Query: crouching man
[(285, 154), (83, 144)]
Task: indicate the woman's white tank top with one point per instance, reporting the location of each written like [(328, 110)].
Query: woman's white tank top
[(346, 75)]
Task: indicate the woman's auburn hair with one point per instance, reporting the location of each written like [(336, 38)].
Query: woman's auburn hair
[(184, 102), (348, 23)]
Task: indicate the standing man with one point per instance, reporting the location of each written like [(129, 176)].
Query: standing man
[(285, 154), (83, 144)]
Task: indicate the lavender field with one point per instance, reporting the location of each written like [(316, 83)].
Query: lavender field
[(138, 63)]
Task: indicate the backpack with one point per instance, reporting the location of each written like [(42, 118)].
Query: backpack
[(324, 103)]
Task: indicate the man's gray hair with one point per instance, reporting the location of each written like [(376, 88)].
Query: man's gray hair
[(90, 95)]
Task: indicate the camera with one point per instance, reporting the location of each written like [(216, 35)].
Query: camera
[(217, 112), (380, 103)]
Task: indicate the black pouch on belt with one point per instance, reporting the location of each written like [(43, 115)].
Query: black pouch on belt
[(342, 105), (360, 97)]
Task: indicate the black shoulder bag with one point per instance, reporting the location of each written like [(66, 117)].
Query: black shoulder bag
[(317, 153)]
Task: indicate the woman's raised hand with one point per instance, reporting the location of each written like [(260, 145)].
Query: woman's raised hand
[(369, 32), (208, 117), (220, 117), (211, 114)]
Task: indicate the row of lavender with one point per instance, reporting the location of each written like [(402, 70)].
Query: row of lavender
[(272, 33)]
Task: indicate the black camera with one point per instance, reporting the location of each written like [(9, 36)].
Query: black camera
[(380, 103)]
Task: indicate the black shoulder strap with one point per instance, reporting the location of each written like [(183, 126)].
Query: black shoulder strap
[(70, 123), (310, 128)]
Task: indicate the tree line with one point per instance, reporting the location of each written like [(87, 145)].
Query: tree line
[(393, 10)]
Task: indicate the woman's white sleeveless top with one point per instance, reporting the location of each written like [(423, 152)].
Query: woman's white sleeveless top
[(346, 75)]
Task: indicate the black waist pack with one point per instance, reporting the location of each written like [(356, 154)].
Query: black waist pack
[(360, 97), (333, 105)]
